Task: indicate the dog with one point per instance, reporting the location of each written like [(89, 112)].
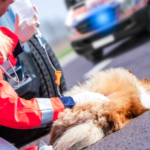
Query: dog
[(87, 123)]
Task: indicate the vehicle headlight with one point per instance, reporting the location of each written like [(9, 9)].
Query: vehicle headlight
[(102, 18), (105, 17)]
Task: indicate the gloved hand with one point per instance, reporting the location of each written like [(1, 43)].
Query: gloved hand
[(44, 146), (89, 96), (23, 30)]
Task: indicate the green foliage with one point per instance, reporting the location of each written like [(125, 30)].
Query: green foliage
[(64, 53)]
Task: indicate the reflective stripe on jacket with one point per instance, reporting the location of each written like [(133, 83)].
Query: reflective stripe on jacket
[(4, 145), (16, 112)]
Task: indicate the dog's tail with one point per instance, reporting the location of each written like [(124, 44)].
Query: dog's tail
[(79, 136)]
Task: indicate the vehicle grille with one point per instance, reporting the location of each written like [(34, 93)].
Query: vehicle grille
[(90, 23)]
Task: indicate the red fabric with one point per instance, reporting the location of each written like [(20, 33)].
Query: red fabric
[(32, 148), (19, 113), (12, 59), (58, 107), (13, 37), (16, 112), (1, 59), (15, 40)]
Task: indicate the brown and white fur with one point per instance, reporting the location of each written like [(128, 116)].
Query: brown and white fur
[(89, 122)]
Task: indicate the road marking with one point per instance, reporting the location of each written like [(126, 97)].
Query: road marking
[(98, 67), (67, 59)]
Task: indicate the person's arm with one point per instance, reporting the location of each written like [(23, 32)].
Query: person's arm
[(23, 30), (18, 113), (27, 114)]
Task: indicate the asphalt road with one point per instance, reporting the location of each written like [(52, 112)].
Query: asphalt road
[(133, 54)]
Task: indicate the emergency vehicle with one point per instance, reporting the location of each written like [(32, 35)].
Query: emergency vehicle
[(95, 24)]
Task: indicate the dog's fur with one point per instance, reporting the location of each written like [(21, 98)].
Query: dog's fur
[(89, 122)]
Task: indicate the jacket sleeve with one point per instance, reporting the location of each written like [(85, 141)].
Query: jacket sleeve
[(18, 113)]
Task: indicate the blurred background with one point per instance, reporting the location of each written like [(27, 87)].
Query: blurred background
[(52, 15), (101, 32)]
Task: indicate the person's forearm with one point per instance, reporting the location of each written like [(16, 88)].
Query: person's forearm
[(27, 114), (50, 108)]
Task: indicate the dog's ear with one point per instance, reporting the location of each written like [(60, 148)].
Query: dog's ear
[(130, 71), (145, 81), (56, 133)]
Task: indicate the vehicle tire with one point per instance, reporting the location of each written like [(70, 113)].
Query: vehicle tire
[(94, 55), (47, 75), (47, 89)]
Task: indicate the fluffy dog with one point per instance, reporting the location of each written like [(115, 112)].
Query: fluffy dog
[(89, 122)]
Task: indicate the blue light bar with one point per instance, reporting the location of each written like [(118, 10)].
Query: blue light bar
[(103, 18)]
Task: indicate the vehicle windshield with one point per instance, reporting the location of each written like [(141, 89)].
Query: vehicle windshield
[(70, 3)]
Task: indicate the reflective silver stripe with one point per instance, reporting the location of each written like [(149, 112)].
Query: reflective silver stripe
[(4, 145), (46, 110)]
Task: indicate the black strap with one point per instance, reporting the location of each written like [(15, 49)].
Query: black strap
[(18, 50)]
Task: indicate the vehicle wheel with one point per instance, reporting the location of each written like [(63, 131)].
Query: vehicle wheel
[(47, 89), (47, 75), (94, 56)]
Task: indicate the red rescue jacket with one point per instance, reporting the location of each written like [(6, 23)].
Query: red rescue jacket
[(19, 113), (16, 112)]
